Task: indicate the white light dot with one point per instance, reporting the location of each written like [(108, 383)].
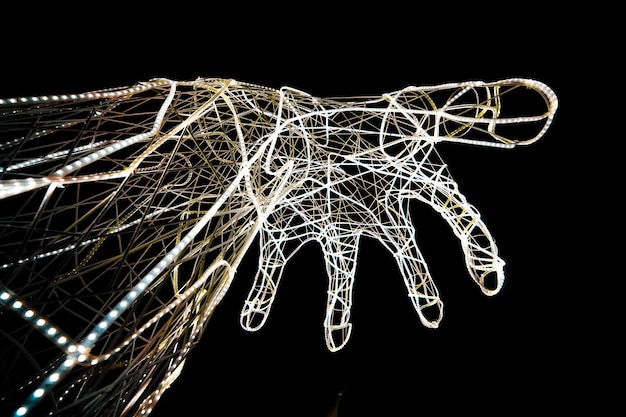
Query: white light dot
[(39, 392)]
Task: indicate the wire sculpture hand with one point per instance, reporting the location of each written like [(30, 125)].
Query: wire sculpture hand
[(365, 161), (127, 211)]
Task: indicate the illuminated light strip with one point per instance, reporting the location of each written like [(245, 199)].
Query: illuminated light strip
[(54, 333), (50, 253), (476, 142), (14, 187), (50, 157), (84, 96), (38, 134), (512, 120)]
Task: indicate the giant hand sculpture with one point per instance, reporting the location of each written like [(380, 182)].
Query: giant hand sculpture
[(126, 212), (365, 160)]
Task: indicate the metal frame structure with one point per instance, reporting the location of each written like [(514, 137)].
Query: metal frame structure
[(126, 212)]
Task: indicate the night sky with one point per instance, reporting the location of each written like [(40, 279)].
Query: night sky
[(491, 355)]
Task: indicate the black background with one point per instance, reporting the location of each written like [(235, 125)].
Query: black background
[(523, 350)]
